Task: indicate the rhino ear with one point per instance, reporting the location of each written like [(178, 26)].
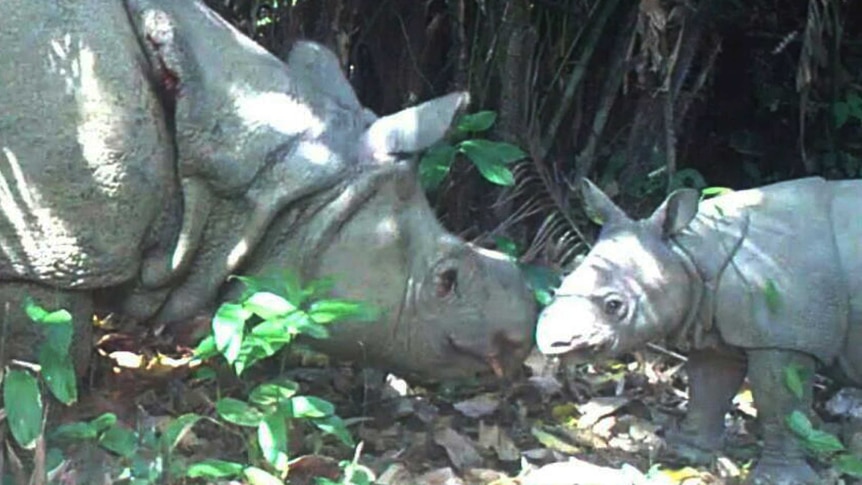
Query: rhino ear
[(598, 206), (414, 129), (676, 212)]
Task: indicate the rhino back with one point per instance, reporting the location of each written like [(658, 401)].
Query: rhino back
[(784, 285), (85, 159), (847, 225)]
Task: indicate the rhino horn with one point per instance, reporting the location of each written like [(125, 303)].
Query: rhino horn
[(676, 212), (414, 129), (598, 206)]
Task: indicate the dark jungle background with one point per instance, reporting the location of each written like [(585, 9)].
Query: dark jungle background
[(641, 96)]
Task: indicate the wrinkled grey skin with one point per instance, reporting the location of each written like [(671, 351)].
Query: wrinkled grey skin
[(148, 150), (749, 283)]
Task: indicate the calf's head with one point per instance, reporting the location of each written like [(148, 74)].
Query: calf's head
[(632, 287)]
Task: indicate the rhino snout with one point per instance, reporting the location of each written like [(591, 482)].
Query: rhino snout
[(558, 330), (502, 352)]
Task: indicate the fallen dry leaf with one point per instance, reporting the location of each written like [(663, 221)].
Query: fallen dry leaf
[(479, 406), (494, 438), (460, 449)]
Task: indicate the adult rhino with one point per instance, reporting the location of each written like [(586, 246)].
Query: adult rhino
[(148, 150), (750, 283)]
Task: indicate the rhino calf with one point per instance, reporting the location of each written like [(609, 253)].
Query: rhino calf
[(748, 283)]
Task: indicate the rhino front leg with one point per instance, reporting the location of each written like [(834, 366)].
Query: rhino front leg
[(714, 377), (782, 461)]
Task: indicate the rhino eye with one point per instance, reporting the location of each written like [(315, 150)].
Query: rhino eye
[(446, 282), (613, 306)]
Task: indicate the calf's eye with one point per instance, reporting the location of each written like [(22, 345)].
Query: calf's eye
[(613, 306)]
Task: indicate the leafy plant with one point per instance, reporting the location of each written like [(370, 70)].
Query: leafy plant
[(490, 157), (541, 279), (850, 108), (269, 315), (825, 446), (22, 394)]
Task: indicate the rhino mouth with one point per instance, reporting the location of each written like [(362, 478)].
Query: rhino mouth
[(583, 347), (497, 360)]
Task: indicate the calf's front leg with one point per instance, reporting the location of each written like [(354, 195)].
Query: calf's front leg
[(714, 377), (782, 461)]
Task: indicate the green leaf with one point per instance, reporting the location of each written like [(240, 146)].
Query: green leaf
[(75, 431), (335, 426), (485, 158), (238, 412), (59, 374), (328, 311), (475, 122), (311, 407), (773, 298), (272, 438), (58, 337), (23, 403), (301, 323), (798, 423), (271, 395), (841, 113), (252, 350), (268, 305), (795, 380), (708, 192), (119, 440), (493, 152), (274, 331), (822, 442), (206, 348), (228, 326), (178, 428), (214, 469), (435, 165), (850, 465), (507, 246), (39, 315), (103, 422), (257, 476)]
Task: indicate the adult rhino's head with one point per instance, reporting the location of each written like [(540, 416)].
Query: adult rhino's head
[(632, 287), (448, 308)]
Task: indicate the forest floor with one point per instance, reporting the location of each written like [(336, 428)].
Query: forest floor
[(596, 424)]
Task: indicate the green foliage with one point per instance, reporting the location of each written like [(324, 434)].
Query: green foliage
[(772, 296), (23, 402), (848, 109), (22, 394), (352, 472), (821, 444), (269, 315), (542, 280), (710, 192), (490, 157)]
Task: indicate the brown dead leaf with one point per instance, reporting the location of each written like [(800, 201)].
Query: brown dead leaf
[(479, 406), (484, 476), (494, 438), (396, 474), (459, 448), (548, 440), (599, 407)]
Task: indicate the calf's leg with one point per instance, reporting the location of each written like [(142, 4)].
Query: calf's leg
[(714, 377), (782, 461)]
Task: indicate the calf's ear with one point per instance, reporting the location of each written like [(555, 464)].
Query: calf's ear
[(676, 212), (598, 206)]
